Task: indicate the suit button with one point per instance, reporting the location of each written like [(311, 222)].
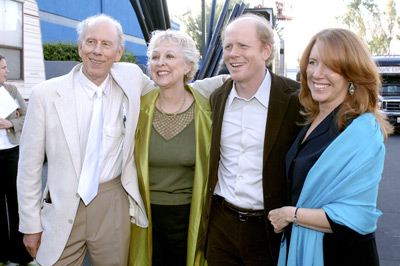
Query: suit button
[(77, 195), (206, 216), (70, 221), (210, 189)]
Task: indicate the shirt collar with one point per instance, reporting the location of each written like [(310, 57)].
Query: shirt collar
[(262, 94), (90, 88)]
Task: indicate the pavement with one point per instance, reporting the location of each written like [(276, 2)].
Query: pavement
[(33, 263), (388, 231)]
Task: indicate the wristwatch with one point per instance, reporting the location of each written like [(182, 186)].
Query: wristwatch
[(295, 222)]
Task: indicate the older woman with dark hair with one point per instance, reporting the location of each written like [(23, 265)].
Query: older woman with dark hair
[(335, 164), (171, 154)]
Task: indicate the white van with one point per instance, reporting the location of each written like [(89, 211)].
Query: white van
[(21, 43), (389, 99)]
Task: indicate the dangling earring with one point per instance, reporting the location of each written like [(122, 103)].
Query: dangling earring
[(351, 88)]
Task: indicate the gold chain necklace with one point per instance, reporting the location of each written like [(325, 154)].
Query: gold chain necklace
[(177, 112)]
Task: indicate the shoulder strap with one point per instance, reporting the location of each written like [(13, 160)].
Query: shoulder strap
[(9, 88), (11, 92)]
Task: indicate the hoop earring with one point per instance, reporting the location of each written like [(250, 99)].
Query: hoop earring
[(351, 88)]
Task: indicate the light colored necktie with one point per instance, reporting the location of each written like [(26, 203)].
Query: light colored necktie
[(90, 175)]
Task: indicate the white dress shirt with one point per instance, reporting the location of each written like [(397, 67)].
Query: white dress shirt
[(113, 127), (242, 144)]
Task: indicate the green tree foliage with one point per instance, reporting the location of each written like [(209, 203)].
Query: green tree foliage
[(398, 25), (68, 51), (61, 51), (279, 30), (365, 18), (128, 57)]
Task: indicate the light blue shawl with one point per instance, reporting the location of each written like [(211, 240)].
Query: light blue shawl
[(344, 182)]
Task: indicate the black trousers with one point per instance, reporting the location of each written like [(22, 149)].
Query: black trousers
[(11, 245), (232, 241), (170, 232)]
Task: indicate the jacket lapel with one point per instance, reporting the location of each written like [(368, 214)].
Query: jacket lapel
[(218, 107), (218, 101), (130, 109), (66, 110), (278, 103)]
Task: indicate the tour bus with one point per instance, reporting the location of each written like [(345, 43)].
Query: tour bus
[(21, 43), (389, 99)]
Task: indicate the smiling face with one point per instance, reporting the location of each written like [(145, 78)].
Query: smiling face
[(3, 71), (99, 49), (327, 87), (244, 53), (167, 65)]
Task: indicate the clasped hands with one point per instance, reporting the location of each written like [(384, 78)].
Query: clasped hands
[(281, 217)]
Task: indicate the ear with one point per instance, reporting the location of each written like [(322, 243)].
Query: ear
[(267, 51), (119, 54), (188, 67), (80, 49)]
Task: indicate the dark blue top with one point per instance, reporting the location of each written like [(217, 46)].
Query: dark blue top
[(302, 156)]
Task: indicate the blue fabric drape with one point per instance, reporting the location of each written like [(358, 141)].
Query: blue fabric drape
[(344, 182)]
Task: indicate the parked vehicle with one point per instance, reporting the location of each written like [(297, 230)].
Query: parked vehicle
[(389, 99)]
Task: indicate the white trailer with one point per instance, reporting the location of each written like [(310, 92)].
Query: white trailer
[(21, 43)]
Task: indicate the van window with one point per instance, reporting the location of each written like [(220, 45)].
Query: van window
[(390, 85), (391, 90)]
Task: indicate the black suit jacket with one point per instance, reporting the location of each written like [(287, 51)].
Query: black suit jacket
[(281, 130)]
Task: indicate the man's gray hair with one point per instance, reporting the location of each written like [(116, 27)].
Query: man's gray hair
[(84, 25)]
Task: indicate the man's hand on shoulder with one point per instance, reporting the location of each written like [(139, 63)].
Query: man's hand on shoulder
[(225, 77), (32, 243)]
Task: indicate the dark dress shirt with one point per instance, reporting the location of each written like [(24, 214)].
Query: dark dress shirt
[(344, 246)]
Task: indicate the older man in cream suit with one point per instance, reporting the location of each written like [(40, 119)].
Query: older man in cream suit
[(57, 125), (62, 225)]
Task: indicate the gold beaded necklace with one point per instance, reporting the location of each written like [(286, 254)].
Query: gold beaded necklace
[(177, 112)]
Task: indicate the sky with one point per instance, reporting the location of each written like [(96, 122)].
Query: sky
[(309, 17)]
